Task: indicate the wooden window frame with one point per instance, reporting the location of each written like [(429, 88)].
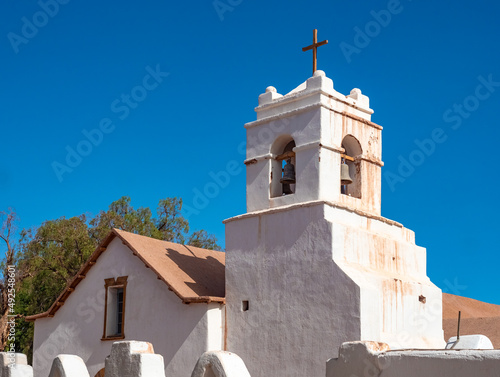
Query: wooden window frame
[(120, 282)]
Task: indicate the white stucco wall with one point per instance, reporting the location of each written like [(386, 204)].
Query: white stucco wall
[(399, 304), (360, 359), (14, 365), (316, 275), (302, 306), (179, 332)]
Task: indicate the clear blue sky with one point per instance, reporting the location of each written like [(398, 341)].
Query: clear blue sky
[(421, 69)]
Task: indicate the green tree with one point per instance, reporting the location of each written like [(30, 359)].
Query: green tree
[(121, 215), (170, 223), (50, 256), (202, 239)]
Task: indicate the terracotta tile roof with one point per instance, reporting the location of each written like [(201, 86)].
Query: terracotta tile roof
[(195, 275), (477, 317)]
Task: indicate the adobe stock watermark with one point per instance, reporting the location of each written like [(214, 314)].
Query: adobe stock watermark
[(30, 26), (220, 180), (223, 6), (11, 316), (121, 107), (454, 288), (372, 29), (456, 114)]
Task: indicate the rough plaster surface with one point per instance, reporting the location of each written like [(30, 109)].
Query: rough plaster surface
[(134, 359), (180, 332), (317, 276), (18, 371), (371, 359), (6, 358), (14, 365), (68, 366), (469, 342), (220, 364), (302, 306)]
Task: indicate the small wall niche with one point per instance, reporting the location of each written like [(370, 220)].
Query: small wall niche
[(244, 306)]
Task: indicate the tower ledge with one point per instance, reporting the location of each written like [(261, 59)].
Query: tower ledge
[(409, 235), (272, 103), (313, 203)]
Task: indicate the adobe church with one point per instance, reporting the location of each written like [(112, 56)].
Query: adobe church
[(310, 265)]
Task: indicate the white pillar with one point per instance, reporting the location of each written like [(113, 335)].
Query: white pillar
[(14, 365), (134, 359), (68, 366)]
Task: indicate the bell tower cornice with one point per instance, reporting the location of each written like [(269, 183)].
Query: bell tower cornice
[(316, 91), (310, 107)]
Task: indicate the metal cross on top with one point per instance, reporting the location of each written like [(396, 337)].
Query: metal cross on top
[(314, 47)]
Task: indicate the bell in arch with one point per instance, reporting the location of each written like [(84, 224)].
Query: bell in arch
[(288, 173), (345, 178)]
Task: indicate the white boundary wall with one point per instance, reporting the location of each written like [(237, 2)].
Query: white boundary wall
[(373, 359)]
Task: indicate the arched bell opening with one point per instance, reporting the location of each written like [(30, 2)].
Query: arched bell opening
[(283, 167), (350, 167)]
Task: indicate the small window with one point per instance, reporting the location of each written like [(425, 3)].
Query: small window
[(244, 306), (114, 309)]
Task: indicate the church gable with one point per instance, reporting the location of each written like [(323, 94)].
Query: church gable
[(195, 275), (125, 295)]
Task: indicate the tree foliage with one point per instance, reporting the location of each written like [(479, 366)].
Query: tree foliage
[(47, 257)]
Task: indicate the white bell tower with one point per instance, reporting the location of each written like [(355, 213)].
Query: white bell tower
[(312, 264), (316, 127)]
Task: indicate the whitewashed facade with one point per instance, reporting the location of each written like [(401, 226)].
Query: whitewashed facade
[(179, 332), (310, 270)]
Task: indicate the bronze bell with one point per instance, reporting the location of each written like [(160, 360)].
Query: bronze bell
[(345, 178), (288, 173)]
